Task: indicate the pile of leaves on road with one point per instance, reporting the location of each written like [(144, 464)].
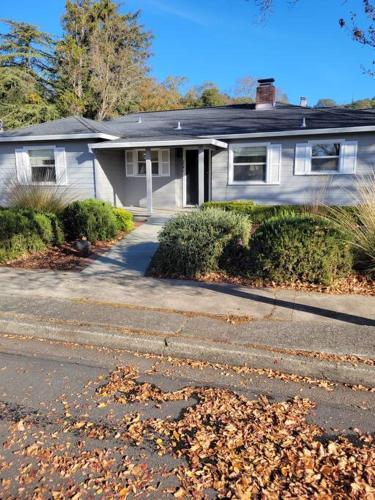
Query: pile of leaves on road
[(243, 449), (222, 445)]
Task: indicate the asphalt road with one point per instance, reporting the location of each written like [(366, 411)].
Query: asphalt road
[(48, 397)]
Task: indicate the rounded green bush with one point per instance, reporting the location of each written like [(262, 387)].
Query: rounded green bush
[(90, 219), (23, 230), (199, 242), (303, 248), (124, 219)]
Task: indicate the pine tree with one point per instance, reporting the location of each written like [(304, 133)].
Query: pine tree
[(26, 75)]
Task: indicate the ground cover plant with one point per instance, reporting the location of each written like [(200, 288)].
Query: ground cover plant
[(199, 242)]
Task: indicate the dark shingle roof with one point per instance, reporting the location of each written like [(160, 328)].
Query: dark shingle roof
[(216, 121), (71, 125), (237, 119)]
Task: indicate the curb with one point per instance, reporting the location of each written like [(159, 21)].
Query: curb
[(179, 347)]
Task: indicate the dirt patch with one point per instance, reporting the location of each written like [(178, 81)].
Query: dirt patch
[(64, 257)]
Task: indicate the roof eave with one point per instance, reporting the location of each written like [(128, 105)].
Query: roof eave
[(57, 137), (201, 141), (295, 132)]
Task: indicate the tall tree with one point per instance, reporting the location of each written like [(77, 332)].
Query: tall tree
[(24, 46), (21, 99), (26, 75), (101, 58)]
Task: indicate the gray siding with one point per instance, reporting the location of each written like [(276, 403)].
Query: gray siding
[(122, 191), (295, 189), (79, 168)]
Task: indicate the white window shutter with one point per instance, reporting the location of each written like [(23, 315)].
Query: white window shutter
[(23, 166), (348, 157), (130, 163), (164, 163), (274, 156), (302, 163), (61, 166)]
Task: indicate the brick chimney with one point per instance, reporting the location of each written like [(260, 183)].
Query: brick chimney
[(266, 94)]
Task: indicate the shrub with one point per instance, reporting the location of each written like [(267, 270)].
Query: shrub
[(299, 248), (239, 206), (44, 198), (256, 213), (23, 231), (124, 219), (90, 219), (199, 242)]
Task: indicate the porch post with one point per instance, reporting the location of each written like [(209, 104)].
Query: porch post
[(149, 180), (200, 175)]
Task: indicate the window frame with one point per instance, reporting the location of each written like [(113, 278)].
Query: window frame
[(313, 143), (232, 146), (135, 164), (27, 149), (339, 171)]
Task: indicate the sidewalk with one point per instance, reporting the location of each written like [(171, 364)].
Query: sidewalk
[(311, 334), (183, 295), (337, 351)]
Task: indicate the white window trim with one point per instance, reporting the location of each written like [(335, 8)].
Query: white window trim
[(159, 150), (50, 183), (231, 181), (311, 143)]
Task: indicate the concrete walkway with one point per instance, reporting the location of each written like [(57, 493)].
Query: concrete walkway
[(129, 289), (132, 256)]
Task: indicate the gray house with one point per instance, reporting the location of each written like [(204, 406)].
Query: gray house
[(267, 152)]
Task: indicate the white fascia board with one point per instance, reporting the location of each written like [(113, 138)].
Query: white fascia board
[(153, 144), (57, 137), (285, 133)]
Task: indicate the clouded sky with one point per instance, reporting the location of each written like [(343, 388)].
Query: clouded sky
[(301, 46)]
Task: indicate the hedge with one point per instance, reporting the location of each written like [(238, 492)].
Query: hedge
[(90, 219), (256, 213), (124, 219), (302, 247), (23, 231), (199, 243)]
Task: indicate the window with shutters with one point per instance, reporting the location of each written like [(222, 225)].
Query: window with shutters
[(136, 163), (43, 168), (254, 163), (325, 157)]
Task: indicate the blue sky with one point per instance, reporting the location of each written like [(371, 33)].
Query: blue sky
[(302, 46)]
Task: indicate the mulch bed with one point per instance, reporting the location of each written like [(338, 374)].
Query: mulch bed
[(354, 284), (64, 257)]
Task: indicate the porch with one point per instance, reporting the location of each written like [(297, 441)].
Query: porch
[(147, 175)]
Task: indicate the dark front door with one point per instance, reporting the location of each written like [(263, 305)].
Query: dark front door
[(191, 159)]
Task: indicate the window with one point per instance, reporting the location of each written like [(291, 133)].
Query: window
[(249, 163), (136, 163), (42, 163), (325, 157), (142, 162)]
